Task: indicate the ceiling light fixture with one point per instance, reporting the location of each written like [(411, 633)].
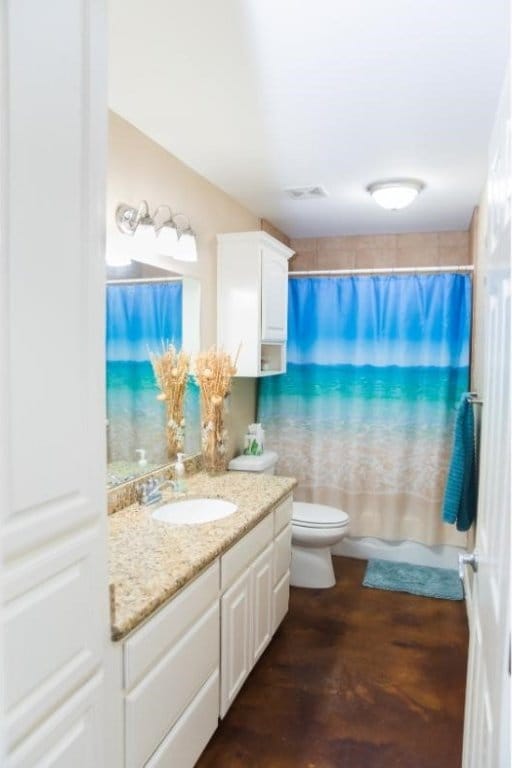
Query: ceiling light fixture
[(395, 194)]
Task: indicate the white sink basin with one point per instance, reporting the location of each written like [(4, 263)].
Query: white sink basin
[(194, 511)]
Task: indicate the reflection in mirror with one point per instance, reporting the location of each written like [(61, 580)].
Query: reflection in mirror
[(144, 316)]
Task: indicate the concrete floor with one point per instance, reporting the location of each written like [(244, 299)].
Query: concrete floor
[(354, 677)]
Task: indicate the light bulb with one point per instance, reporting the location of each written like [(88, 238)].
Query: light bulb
[(187, 247), (167, 241)]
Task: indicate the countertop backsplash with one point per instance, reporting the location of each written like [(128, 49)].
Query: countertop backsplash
[(126, 494)]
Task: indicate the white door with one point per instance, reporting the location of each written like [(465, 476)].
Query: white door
[(54, 616), (236, 646), (487, 718), (262, 593), (274, 296)]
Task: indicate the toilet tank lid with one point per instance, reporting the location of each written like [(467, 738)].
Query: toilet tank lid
[(254, 463)]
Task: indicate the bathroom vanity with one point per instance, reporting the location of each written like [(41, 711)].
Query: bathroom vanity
[(193, 609)]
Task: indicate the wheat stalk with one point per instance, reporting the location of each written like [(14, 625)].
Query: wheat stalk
[(171, 372)]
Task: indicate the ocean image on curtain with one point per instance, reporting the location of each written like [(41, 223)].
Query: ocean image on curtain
[(363, 417), (141, 318)]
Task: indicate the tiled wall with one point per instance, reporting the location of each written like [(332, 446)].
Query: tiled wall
[(268, 227), (428, 249)]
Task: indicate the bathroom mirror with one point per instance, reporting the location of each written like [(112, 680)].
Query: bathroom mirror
[(147, 309)]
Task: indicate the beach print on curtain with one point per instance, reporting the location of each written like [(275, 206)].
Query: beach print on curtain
[(140, 318), (363, 417)]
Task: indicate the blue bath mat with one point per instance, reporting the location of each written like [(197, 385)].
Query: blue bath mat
[(415, 579)]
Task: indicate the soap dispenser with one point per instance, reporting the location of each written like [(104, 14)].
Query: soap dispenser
[(179, 474), (142, 462)]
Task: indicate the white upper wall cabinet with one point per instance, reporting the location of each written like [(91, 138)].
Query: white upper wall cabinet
[(252, 301), (274, 295)]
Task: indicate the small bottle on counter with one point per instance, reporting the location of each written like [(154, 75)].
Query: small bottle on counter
[(179, 474)]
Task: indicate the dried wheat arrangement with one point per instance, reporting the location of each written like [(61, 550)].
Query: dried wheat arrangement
[(171, 371), (214, 370)]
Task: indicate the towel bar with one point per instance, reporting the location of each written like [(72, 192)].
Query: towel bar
[(474, 399)]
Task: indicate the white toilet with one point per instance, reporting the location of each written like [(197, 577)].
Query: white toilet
[(316, 528)]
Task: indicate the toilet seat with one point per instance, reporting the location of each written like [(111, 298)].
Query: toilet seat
[(311, 515)]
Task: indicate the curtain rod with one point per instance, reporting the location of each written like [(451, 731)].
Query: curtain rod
[(381, 271), (128, 280)]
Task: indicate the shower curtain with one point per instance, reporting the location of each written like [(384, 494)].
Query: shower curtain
[(140, 319), (363, 417)]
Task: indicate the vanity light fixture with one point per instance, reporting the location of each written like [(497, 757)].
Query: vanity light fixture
[(395, 194), (166, 233), (128, 219), (187, 245), (173, 237)]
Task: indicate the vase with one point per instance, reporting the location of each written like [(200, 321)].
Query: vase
[(175, 433), (213, 439)]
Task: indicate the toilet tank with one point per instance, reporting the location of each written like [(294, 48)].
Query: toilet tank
[(265, 464)]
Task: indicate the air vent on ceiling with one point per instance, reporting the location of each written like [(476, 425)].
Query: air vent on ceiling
[(306, 193)]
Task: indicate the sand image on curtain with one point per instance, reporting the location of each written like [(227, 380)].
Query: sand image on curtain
[(363, 417)]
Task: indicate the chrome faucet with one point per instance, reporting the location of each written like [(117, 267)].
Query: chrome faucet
[(150, 492)]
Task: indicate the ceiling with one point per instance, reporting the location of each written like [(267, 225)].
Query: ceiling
[(262, 95)]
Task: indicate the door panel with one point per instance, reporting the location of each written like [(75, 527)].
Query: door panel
[(487, 716), (55, 618), (70, 737)]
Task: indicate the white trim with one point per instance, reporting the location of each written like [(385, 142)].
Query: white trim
[(468, 594), (144, 280), (260, 237), (4, 336), (365, 548), (382, 271)]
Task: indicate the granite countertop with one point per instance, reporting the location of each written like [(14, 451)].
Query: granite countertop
[(150, 561)]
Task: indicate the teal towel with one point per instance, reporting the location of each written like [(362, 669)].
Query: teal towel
[(460, 495)]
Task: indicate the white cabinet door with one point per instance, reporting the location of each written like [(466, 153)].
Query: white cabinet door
[(236, 646), (274, 295), (282, 553), (281, 600), (262, 582), (55, 621)]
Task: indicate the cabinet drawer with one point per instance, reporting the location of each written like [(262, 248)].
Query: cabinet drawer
[(280, 601), (282, 553), (153, 706), (283, 514), (183, 745), (241, 555), (143, 649)]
